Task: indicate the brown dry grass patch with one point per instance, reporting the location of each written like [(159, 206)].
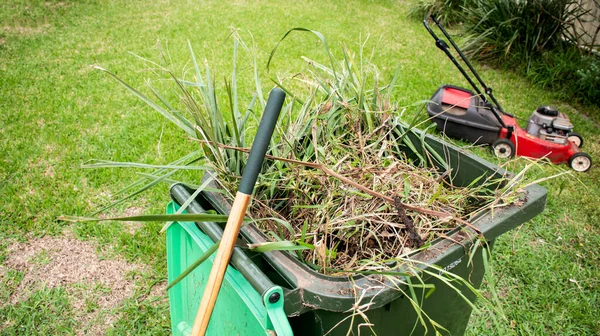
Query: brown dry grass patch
[(96, 285)]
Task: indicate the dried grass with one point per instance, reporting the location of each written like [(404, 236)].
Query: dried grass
[(350, 230)]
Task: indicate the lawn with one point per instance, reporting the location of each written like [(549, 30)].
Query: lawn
[(56, 113)]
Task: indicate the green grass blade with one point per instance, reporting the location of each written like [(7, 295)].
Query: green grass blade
[(183, 125), (280, 221), (153, 218), (188, 201), (147, 176), (236, 115), (284, 245), (137, 192), (195, 264), (113, 164), (185, 160), (199, 81), (316, 33), (170, 107)]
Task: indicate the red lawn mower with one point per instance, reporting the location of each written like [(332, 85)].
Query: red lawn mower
[(476, 116)]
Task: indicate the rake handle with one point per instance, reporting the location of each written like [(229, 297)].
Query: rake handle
[(238, 210)]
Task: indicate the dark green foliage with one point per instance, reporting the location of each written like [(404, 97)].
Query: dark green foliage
[(589, 78), (446, 11), (567, 70), (504, 27)]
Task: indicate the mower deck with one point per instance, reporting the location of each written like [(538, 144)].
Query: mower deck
[(459, 113)]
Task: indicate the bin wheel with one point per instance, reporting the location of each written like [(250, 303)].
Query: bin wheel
[(580, 162), (503, 148), (575, 138)]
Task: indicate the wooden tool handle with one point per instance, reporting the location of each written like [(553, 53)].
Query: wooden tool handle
[(213, 285), (238, 210)]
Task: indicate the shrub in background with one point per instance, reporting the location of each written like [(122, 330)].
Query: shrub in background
[(589, 78), (575, 74), (448, 11), (528, 28)]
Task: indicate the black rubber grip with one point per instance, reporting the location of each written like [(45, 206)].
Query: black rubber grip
[(261, 141)]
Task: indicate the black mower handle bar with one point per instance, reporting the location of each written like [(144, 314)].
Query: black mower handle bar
[(441, 44)]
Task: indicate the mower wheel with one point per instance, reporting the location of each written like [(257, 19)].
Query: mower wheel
[(580, 162), (575, 138), (503, 148)]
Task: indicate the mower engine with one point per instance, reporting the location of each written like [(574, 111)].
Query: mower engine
[(548, 124)]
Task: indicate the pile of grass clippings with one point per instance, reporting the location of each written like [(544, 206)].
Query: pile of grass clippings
[(345, 228)]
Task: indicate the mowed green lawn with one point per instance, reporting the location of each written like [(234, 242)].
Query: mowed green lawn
[(56, 113)]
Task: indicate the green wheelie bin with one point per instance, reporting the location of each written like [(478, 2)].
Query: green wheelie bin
[(311, 303)]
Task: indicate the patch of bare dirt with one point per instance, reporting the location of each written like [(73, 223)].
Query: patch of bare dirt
[(60, 4), (97, 286), (26, 31), (49, 171)]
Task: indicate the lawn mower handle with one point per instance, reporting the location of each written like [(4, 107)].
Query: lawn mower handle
[(441, 44)]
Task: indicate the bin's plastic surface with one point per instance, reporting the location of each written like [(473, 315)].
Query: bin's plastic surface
[(239, 309), (317, 304)]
